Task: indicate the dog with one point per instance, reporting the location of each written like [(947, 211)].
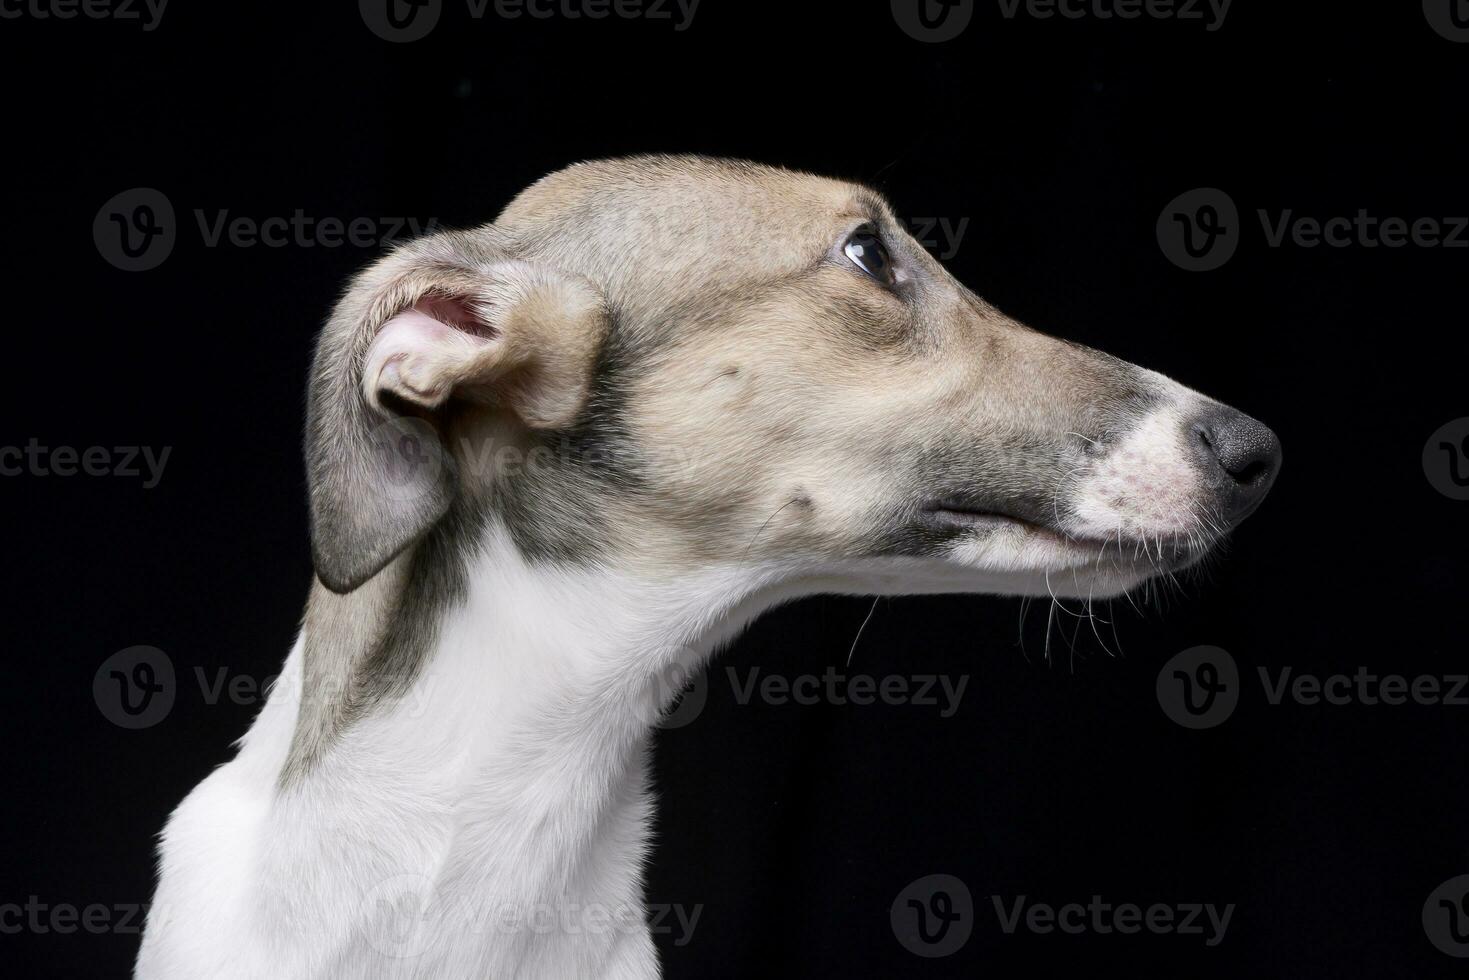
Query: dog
[(555, 458)]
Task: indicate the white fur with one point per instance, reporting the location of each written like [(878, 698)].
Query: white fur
[(1147, 486), (493, 820), (508, 782)]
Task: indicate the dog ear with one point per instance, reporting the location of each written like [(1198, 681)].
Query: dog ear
[(450, 317)]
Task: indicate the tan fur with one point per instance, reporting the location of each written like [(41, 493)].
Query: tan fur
[(792, 378), (765, 401)]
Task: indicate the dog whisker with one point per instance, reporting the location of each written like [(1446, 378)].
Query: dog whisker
[(860, 629)]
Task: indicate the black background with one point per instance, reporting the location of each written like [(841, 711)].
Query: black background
[(794, 827)]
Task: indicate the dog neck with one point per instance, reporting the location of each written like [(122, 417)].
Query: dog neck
[(507, 778)]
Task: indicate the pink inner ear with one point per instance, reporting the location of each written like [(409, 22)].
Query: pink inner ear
[(456, 312), (421, 353)]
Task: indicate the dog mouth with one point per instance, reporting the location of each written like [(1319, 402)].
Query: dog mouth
[(947, 515), (1168, 550), (959, 516)]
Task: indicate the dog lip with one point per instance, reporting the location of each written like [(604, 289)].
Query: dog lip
[(960, 514)]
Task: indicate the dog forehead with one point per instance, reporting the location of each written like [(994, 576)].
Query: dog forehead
[(683, 221)]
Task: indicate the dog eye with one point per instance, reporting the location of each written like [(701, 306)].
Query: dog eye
[(868, 253)]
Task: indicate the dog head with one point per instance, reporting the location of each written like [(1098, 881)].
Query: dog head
[(677, 362)]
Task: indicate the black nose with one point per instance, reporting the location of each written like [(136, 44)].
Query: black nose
[(1239, 456)]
